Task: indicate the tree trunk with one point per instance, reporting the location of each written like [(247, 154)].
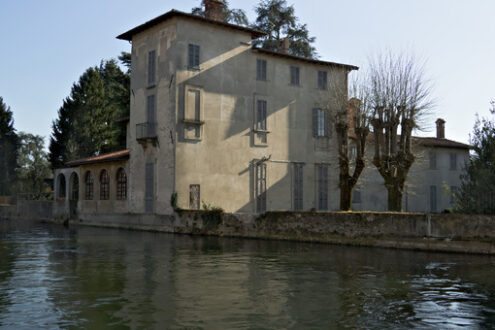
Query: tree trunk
[(345, 196), (394, 198)]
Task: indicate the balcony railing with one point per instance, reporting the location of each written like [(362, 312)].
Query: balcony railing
[(146, 131)]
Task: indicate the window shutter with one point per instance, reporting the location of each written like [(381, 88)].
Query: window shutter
[(197, 109), (315, 122), (263, 118), (151, 67), (196, 57), (191, 56)]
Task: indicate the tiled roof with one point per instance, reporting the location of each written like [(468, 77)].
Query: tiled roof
[(113, 156), (427, 142), (305, 59), (440, 143), (175, 13)]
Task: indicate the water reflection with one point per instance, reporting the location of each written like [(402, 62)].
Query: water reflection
[(53, 277)]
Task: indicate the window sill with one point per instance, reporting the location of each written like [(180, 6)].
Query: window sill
[(192, 122), (151, 86), (261, 131), (193, 68)]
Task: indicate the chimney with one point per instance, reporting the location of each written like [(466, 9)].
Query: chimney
[(283, 45), (214, 9), (440, 128)]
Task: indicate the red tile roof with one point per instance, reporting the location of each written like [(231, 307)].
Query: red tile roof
[(110, 157), (440, 143)]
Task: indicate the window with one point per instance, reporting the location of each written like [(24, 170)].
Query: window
[(352, 152), (322, 124), (194, 197), (150, 109), (260, 169), (453, 194), (322, 79), (260, 69), (193, 110), (322, 187), (193, 58), (104, 185), (151, 67), (298, 187), (261, 115), (356, 195), (121, 184), (433, 198), (453, 161), (192, 115), (294, 75), (433, 160), (89, 181)]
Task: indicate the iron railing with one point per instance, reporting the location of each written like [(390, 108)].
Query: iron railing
[(146, 131)]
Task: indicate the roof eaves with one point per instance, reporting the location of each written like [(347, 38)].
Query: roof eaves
[(119, 155), (176, 13), (305, 59)]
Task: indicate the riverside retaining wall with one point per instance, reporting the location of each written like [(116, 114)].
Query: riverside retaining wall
[(428, 232)]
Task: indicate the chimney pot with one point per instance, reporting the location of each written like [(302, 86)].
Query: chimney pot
[(214, 9), (440, 128)]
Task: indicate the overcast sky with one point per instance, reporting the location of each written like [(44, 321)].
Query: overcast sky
[(46, 45)]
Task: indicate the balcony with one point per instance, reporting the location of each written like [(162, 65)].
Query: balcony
[(146, 131)]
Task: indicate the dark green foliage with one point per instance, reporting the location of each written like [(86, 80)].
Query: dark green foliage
[(33, 166), (477, 192), (86, 121), (278, 20), (9, 143), (125, 59), (234, 16)]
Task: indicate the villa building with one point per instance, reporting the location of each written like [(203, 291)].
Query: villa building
[(217, 122)]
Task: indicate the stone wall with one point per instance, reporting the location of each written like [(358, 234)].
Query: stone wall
[(429, 232), (417, 231)]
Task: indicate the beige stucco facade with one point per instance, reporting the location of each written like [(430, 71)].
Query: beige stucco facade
[(221, 158)]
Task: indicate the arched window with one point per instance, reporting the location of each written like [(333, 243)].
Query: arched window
[(88, 192), (121, 184), (104, 185), (74, 187), (61, 186)]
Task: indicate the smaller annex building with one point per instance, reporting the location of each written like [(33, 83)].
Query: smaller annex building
[(92, 185)]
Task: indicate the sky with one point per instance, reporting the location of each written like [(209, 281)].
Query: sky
[(46, 45)]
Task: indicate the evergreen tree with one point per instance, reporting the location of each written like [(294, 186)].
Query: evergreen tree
[(9, 142), (125, 59), (477, 192), (59, 149), (234, 16), (86, 121), (278, 21)]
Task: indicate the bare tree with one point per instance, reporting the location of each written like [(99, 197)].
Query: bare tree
[(351, 125), (401, 98)]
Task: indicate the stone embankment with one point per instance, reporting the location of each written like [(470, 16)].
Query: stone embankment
[(427, 232)]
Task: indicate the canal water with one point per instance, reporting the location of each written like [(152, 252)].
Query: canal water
[(55, 277)]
